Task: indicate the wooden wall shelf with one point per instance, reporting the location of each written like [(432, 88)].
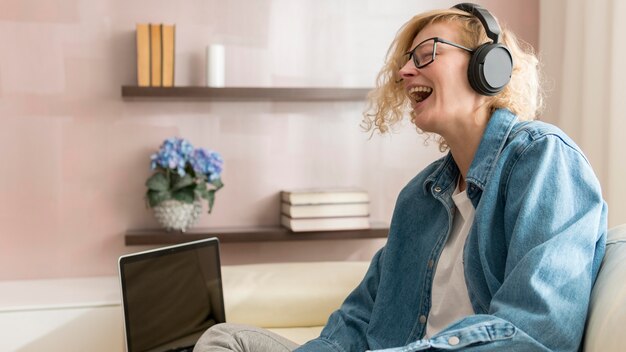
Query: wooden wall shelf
[(256, 234), (245, 93)]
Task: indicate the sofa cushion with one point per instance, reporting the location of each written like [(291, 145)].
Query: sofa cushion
[(607, 315), (288, 294)]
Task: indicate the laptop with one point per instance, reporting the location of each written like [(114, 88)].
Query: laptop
[(171, 295)]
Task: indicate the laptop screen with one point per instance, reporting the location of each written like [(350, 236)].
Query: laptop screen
[(171, 295)]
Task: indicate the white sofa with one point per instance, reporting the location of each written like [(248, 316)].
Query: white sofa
[(295, 300), (607, 314), (291, 299)]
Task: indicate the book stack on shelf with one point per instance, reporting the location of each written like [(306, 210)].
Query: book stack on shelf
[(325, 209), (155, 54)]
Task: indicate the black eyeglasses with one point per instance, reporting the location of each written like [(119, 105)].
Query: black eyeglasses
[(425, 52)]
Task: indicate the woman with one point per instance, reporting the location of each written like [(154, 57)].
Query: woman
[(494, 247)]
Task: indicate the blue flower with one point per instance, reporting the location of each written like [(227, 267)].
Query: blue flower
[(173, 154), (208, 163)]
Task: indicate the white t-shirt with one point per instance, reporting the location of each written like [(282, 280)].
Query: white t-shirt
[(450, 300)]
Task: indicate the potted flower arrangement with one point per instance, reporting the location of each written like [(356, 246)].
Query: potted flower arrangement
[(183, 176)]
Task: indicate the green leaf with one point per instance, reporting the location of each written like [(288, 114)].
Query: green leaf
[(217, 183), (158, 182), (182, 182), (201, 192), (156, 197), (185, 195), (211, 198)]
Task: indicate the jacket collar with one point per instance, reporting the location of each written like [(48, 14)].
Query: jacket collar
[(494, 138)]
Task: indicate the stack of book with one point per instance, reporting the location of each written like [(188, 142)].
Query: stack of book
[(325, 209), (155, 54)]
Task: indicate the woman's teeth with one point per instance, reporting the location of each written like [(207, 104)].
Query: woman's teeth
[(420, 93)]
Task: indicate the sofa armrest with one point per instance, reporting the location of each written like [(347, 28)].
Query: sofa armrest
[(607, 310), (284, 295)]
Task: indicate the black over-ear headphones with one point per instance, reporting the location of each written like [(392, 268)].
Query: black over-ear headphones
[(491, 64)]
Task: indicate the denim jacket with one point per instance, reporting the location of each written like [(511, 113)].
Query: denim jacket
[(530, 258)]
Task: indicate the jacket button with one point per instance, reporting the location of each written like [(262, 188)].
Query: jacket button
[(453, 341), (422, 319), (437, 189)]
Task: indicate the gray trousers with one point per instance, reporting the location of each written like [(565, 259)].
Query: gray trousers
[(242, 338)]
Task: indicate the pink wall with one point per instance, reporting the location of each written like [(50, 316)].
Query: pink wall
[(75, 156)]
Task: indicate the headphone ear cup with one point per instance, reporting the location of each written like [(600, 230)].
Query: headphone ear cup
[(490, 68)]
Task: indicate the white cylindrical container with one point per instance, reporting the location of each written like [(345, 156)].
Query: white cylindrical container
[(215, 65)]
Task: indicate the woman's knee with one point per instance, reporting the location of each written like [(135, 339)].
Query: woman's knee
[(219, 337), (241, 338)]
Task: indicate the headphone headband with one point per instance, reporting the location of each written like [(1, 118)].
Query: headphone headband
[(489, 23)]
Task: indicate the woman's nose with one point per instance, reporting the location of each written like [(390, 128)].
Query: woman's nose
[(408, 70)]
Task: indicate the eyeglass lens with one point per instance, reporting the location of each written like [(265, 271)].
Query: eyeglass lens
[(424, 53)]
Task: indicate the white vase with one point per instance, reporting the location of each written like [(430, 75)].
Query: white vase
[(176, 215)]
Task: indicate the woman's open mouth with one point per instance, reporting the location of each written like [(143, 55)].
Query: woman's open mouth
[(420, 93)]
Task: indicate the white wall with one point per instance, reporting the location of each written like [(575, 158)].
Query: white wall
[(75, 156)]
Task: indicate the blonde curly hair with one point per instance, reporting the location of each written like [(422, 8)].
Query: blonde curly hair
[(388, 103)]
